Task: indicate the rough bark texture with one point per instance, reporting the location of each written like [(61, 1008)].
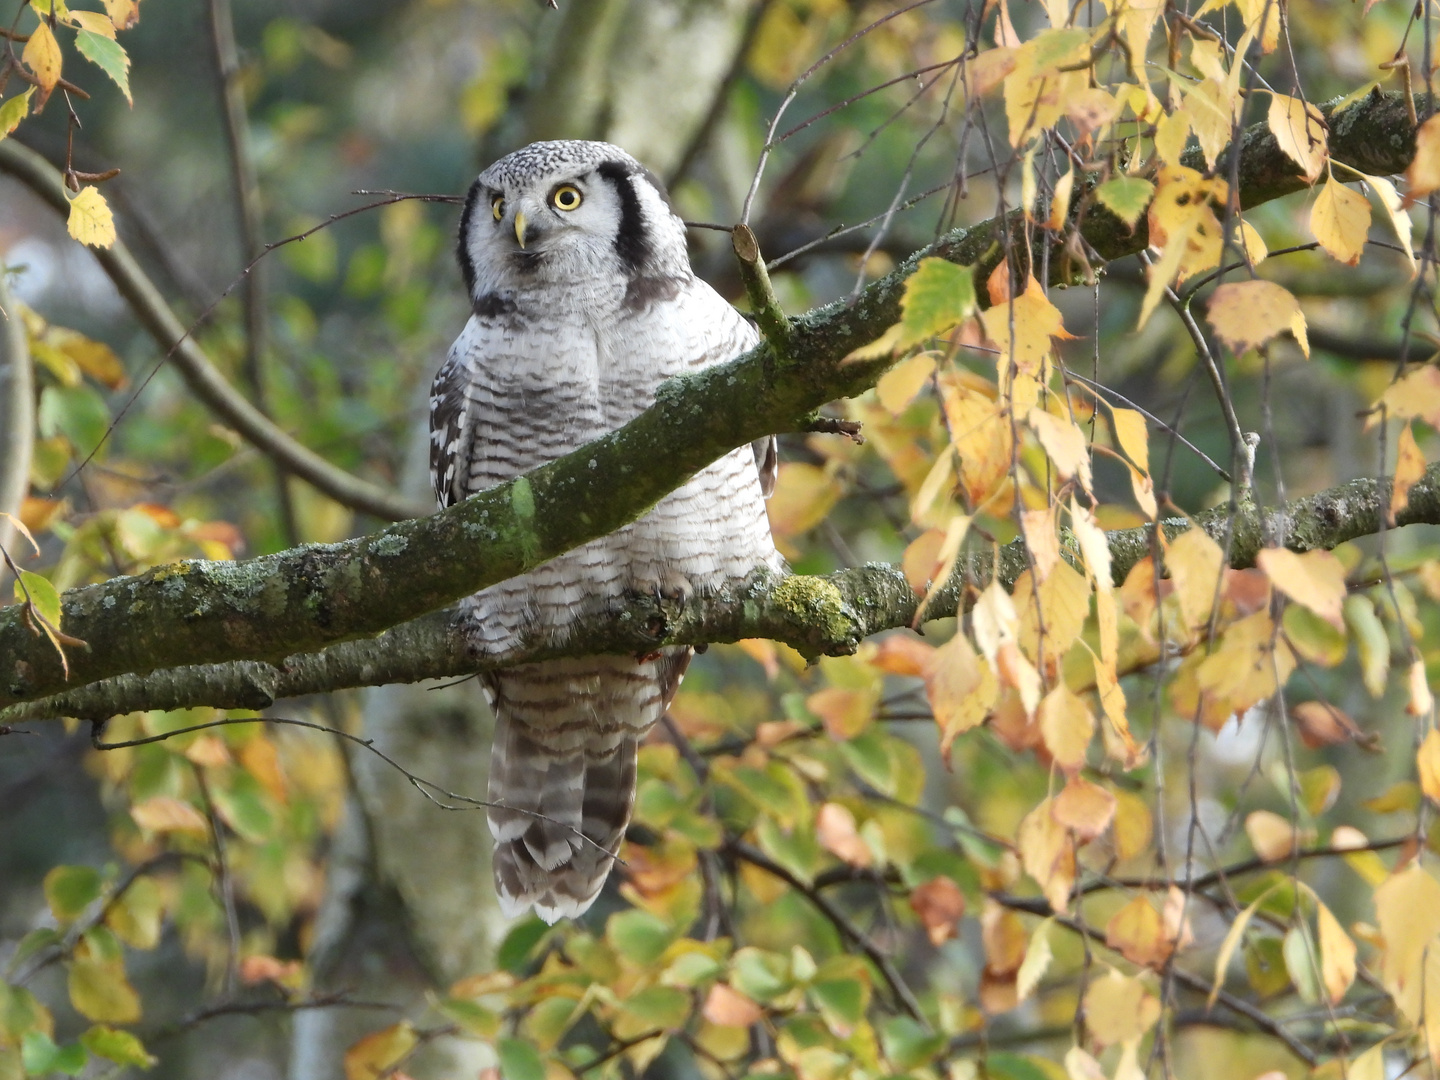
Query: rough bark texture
[(308, 598)]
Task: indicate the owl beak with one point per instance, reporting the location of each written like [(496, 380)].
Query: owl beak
[(520, 228)]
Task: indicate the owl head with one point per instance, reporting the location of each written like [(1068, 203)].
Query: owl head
[(567, 211)]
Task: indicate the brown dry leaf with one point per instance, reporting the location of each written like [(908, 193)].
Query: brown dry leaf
[(1409, 468), (1135, 932), (1424, 171), (1084, 808), (940, 904), (1195, 563), (1247, 314), (960, 688), (1119, 1009), (1340, 220), (1299, 129), (1315, 579), (903, 653), (1322, 724), (1427, 762), (1337, 954), (835, 828), (727, 1007), (166, 814), (1047, 854), (1067, 725), (1272, 837), (1064, 443)]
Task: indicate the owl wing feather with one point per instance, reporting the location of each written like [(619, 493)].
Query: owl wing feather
[(452, 426)]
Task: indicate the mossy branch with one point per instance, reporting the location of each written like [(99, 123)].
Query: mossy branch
[(272, 609), (828, 615)]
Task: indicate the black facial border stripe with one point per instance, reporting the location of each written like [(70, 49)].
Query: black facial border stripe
[(632, 239), (462, 248)]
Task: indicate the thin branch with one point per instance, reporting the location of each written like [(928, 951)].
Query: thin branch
[(848, 930), (195, 367), (17, 415)]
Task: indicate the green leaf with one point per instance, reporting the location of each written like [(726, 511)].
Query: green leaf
[(762, 976), (1302, 956), (1002, 1066), (869, 756), (659, 1007), (519, 1060), (69, 890), (548, 1020), (639, 936), (40, 1055), (21, 1011), (47, 602), (519, 945), (691, 969), (13, 111), (108, 55), (29, 945), (1371, 643), (118, 1046), (245, 807), (314, 258), (77, 412), (907, 1044), (842, 1002), (474, 1018), (1312, 637), (136, 914), (1126, 197), (937, 296)]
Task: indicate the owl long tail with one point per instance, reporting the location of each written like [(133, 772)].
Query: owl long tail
[(562, 773)]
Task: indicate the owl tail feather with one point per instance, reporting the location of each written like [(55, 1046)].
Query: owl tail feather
[(557, 817)]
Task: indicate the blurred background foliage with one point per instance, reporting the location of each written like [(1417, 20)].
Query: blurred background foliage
[(171, 906)]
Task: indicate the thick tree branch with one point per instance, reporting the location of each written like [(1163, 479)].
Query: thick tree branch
[(817, 615), (200, 375), (305, 599)]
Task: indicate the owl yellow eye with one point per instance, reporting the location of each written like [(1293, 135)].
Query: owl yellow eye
[(565, 197), (497, 207)]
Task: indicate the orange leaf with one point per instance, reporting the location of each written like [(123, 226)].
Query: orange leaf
[(939, 903), (727, 1007), (1084, 808)]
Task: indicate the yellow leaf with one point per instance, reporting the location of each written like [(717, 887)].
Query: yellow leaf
[(123, 13), (1195, 562), (1210, 107), (1422, 702), (1394, 208), (377, 1053), (1249, 666), (1427, 763), (1299, 129), (1227, 947), (1247, 314), (1047, 855), (90, 219), (1272, 837), (1119, 1009), (1337, 954), (100, 992), (1035, 322), (94, 22), (1407, 909), (1064, 601), (42, 57), (1134, 931), (1065, 444), (1067, 726), (1084, 808), (1424, 171), (1036, 963), (1315, 579), (898, 386), (1340, 220), (804, 494), (1368, 1066), (1415, 395), (14, 110), (166, 814), (961, 690), (1042, 539), (1409, 468), (981, 432), (1094, 546), (1133, 436)]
